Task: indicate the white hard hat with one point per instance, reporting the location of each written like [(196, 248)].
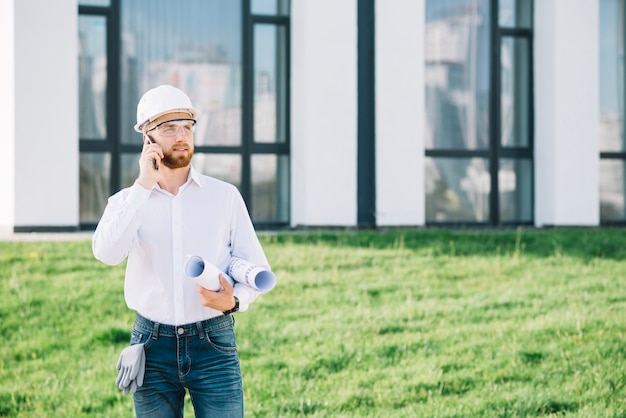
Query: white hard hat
[(161, 100)]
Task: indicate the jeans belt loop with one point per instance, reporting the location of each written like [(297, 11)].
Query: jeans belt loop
[(200, 330), (155, 334)]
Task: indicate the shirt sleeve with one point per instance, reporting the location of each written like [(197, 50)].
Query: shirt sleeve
[(245, 245), (118, 226)]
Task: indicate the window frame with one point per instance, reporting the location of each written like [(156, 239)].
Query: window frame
[(496, 152)]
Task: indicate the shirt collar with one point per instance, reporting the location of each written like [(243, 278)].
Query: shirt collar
[(194, 176)]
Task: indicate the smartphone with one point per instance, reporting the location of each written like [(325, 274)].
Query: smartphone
[(154, 163)]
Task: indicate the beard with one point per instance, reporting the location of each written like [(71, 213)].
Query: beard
[(180, 161)]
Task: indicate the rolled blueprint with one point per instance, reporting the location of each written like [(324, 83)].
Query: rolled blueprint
[(204, 273), (257, 277)]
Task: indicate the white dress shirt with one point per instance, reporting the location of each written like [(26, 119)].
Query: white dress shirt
[(156, 230)]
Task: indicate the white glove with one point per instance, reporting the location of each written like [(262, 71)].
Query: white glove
[(132, 367)]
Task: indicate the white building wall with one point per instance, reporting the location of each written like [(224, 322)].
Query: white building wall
[(566, 112), (400, 113), (7, 115), (323, 112), (45, 114)]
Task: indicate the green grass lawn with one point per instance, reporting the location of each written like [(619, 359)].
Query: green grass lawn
[(428, 323)]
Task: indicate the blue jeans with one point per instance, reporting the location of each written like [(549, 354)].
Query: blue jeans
[(200, 357)]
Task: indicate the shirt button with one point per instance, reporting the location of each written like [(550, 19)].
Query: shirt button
[(181, 331)]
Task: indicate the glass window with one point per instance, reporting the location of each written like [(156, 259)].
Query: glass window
[(612, 76), (194, 45), (270, 83), (515, 13), (612, 187), (515, 91), (270, 7), (468, 105), (92, 67), (515, 189), (130, 169), (457, 74), (226, 167), (270, 188), (457, 189), (197, 46), (94, 2), (612, 135), (94, 185)]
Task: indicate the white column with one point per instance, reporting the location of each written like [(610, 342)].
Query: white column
[(400, 112), (7, 115), (566, 112), (323, 112), (46, 113)]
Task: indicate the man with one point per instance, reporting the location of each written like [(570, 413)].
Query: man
[(172, 211)]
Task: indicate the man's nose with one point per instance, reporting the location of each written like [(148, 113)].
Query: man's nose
[(180, 134)]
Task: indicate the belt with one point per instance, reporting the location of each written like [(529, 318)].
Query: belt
[(197, 328)]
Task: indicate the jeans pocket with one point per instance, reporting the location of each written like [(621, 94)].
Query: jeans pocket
[(222, 339), (139, 336)]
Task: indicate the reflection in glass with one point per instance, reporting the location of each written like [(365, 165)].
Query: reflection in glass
[(515, 13), (226, 167), (612, 76), (94, 2), (457, 74), (270, 188), (130, 169), (92, 67), (515, 190), (270, 79), (612, 186), (515, 85), (194, 45), (270, 7), (457, 189), (94, 185)]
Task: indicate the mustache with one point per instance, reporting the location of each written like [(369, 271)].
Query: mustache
[(171, 161)]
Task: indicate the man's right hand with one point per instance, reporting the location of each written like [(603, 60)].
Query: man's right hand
[(148, 176)]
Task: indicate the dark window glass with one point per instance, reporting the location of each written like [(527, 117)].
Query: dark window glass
[(612, 135), (457, 74), (612, 76), (478, 110), (457, 189), (515, 91), (515, 190), (270, 7), (194, 45), (94, 185), (515, 13), (92, 67), (94, 2), (225, 167), (270, 188), (270, 83), (612, 187)]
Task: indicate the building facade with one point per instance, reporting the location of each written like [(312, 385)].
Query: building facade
[(324, 113)]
